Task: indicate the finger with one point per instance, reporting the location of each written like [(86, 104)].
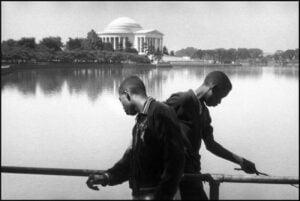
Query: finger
[(90, 184), (263, 174), (90, 181), (95, 188)]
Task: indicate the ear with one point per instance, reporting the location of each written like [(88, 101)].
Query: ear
[(128, 96), (215, 89)]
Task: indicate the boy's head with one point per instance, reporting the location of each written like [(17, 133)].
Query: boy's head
[(129, 89), (218, 85)]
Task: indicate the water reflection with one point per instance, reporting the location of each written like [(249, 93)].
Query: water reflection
[(91, 81), (94, 81), (288, 72), (253, 72), (75, 133)]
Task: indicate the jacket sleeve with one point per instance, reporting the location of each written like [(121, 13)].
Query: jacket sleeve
[(207, 127), (176, 100), (119, 173), (173, 155)]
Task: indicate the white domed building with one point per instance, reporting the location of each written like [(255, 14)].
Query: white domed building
[(126, 29)]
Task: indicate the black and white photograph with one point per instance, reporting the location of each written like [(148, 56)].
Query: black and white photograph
[(149, 100)]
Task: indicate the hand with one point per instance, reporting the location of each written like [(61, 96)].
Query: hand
[(248, 167), (96, 179)]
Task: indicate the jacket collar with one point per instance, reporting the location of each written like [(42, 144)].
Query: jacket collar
[(147, 105), (145, 111)]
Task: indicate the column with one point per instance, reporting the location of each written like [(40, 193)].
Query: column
[(143, 40), (139, 43), (159, 41), (112, 41), (121, 43), (115, 44), (151, 42), (124, 43), (153, 45), (152, 39), (148, 41)]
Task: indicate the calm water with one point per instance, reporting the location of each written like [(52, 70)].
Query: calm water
[(72, 118)]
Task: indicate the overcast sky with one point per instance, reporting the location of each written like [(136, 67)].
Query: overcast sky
[(269, 26)]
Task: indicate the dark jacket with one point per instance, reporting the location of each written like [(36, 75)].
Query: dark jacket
[(155, 158), (195, 124)]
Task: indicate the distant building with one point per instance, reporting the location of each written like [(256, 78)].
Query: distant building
[(126, 29), (175, 58)]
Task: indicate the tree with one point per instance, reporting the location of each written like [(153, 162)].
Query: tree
[(43, 53), (189, 51), (53, 43), (165, 50), (297, 54), (73, 44), (172, 53), (92, 42), (27, 42), (9, 43), (255, 53), (220, 54), (129, 48), (231, 55), (158, 54), (242, 53), (289, 54), (150, 50), (128, 44), (210, 55), (108, 47), (278, 55), (198, 54)]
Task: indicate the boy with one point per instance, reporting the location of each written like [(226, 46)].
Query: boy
[(196, 126)]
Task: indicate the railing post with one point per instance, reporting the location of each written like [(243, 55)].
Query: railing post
[(214, 190)]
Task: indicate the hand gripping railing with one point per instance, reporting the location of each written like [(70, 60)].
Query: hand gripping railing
[(213, 179)]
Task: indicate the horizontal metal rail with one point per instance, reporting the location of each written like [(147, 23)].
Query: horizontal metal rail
[(213, 179), (49, 171), (244, 179)]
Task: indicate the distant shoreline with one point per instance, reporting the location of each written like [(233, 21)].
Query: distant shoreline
[(9, 68), (47, 65), (204, 65)]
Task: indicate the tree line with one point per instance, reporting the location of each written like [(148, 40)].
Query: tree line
[(222, 55), (76, 50)]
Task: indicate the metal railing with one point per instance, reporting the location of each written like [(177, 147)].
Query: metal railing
[(213, 179)]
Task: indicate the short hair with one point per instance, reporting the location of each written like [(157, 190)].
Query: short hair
[(132, 84), (219, 79)]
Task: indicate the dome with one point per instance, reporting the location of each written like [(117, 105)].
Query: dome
[(122, 25)]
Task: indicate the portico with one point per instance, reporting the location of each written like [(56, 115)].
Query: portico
[(123, 30)]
